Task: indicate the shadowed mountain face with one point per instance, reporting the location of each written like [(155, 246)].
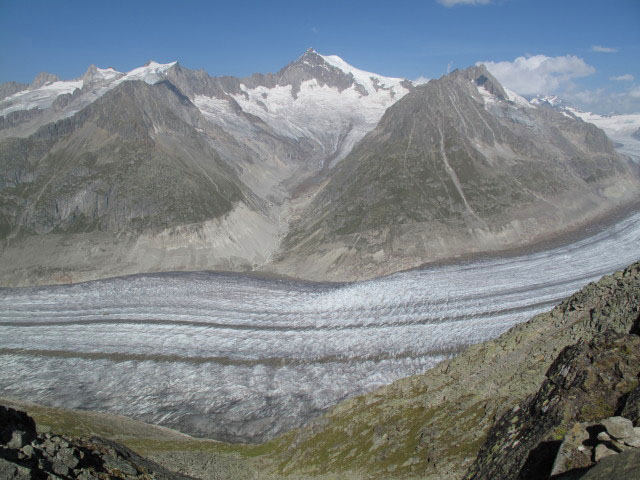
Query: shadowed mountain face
[(165, 168), (457, 165), (132, 160)]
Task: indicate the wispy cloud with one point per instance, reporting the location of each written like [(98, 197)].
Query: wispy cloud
[(627, 77), (453, 3), (601, 49), (539, 74), (314, 30), (420, 80)]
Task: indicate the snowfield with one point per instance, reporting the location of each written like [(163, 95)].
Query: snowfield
[(238, 358)]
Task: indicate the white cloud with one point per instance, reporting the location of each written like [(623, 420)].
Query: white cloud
[(420, 80), (605, 101), (453, 3), (539, 74), (627, 77), (601, 49)]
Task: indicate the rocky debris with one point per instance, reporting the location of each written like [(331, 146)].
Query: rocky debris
[(27, 454), (618, 427), (560, 429)]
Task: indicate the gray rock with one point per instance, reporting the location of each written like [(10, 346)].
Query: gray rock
[(18, 440), (84, 475), (624, 466), (115, 463), (68, 457), (28, 450), (633, 441), (604, 437), (59, 468), (13, 471), (603, 451), (618, 427), (572, 451)]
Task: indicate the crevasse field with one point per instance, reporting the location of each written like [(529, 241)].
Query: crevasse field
[(238, 358)]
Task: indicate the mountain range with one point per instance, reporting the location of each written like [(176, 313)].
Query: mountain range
[(320, 171)]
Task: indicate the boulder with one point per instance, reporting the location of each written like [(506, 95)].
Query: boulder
[(618, 427), (624, 466), (603, 451), (575, 451)]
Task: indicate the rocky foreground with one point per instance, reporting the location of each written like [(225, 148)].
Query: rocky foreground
[(27, 454), (556, 397), (560, 432)]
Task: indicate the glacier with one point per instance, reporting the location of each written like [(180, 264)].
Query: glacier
[(242, 358)]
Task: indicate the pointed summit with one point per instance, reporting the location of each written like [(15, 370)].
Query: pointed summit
[(479, 75), (42, 79), (95, 74)]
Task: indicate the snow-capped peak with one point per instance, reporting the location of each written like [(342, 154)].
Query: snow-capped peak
[(98, 81), (517, 99), (95, 74), (151, 73), (370, 81), (552, 100)]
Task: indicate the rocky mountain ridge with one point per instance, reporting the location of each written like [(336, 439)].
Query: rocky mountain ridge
[(458, 165), (165, 168)]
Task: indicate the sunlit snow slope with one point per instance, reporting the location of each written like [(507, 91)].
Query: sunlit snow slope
[(239, 358)]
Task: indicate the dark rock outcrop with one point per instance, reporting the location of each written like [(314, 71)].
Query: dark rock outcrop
[(26, 454), (587, 382), (625, 466)]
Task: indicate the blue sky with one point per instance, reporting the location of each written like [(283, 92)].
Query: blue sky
[(555, 39)]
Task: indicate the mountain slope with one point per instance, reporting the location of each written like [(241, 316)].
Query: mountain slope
[(85, 191), (219, 149), (432, 425), (320, 171), (458, 165)]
